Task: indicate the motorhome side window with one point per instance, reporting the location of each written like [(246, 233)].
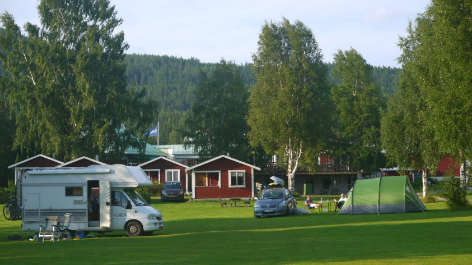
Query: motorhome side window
[(74, 191), (119, 199)]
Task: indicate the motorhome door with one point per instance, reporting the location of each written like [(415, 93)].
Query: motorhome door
[(105, 203)]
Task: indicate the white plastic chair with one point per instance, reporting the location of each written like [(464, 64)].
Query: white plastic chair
[(51, 229)]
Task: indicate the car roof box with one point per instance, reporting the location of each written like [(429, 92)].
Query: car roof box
[(277, 182)]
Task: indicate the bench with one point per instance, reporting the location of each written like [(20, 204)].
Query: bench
[(223, 204), (248, 202)]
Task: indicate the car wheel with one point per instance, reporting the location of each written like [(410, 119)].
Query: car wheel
[(287, 212), (255, 216), (134, 229)]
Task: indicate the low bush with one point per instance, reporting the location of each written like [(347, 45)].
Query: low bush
[(154, 190), (452, 192), (146, 196)]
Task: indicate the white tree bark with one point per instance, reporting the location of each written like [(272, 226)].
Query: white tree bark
[(293, 157), (425, 181), (463, 174)]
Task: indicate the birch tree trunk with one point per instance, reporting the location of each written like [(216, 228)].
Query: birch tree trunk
[(425, 182), (463, 174), (359, 175), (292, 163)]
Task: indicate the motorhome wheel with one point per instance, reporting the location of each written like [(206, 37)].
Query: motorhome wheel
[(134, 229)]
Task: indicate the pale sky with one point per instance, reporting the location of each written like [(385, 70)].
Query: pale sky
[(210, 30)]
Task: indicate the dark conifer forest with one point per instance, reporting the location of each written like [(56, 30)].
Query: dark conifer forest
[(171, 81)]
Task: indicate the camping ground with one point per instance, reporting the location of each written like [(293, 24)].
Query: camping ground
[(205, 233)]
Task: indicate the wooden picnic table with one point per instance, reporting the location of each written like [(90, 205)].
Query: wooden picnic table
[(235, 200)]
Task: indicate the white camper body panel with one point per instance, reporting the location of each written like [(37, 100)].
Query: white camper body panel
[(99, 198)]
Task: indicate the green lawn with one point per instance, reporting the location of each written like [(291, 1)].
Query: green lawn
[(205, 233)]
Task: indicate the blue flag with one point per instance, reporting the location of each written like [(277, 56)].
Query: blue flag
[(152, 132)]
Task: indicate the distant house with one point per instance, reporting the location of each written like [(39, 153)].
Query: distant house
[(82, 161), (162, 169), (35, 162), (223, 177), (133, 157), (177, 152), (447, 166)]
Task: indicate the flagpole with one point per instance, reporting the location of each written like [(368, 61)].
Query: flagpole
[(157, 133)]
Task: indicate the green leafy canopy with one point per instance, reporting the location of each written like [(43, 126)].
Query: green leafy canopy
[(67, 82)]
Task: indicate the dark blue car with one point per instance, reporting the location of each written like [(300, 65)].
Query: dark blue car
[(172, 191)]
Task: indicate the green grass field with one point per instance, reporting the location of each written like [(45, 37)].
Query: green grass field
[(205, 233)]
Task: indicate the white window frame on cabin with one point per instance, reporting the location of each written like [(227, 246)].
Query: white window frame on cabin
[(238, 185), (173, 176)]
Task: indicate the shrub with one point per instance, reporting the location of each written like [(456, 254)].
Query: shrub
[(6, 193), (146, 196), (296, 194), (155, 189), (452, 192)]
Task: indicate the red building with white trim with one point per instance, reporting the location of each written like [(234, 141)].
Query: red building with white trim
[(223, 177)]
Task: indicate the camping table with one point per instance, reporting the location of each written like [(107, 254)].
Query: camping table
[(326, 204), (235, 200)]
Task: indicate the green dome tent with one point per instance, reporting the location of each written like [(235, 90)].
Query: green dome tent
[(382, 195)]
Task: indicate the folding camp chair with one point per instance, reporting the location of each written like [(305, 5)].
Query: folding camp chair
[(312, 209), (64, 228), (51, 229)]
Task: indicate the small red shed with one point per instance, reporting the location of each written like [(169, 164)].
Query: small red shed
[(35, 162), (223, 177), (162, 169)]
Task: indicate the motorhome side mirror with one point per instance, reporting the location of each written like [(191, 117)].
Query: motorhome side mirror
[(128, 205)]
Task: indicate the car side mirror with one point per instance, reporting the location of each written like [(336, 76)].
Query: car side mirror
[(128, 205)]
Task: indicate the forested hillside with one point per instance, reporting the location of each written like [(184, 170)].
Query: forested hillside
[(172, 82)]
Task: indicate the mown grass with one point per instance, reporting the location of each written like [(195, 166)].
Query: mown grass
[(205, 233)]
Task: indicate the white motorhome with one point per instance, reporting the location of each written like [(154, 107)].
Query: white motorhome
[(99, 198)]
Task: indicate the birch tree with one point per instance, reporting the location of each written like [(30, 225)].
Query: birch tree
[(358, 106), (443, 68), (289, 107), (66, 79)]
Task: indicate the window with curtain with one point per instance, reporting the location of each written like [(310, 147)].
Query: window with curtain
[(200, 179)]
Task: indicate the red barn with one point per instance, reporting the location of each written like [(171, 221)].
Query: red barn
[(162, 169), (223, 177)]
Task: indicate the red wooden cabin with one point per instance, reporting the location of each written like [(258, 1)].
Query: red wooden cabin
[(223, 177)]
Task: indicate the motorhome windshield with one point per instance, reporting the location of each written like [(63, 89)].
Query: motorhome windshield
[(136, 198)]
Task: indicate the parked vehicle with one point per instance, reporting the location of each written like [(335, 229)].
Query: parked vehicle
[(172, 191), (275, 201), (99, 198)]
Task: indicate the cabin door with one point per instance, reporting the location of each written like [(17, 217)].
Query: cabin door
[(105, 203)]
